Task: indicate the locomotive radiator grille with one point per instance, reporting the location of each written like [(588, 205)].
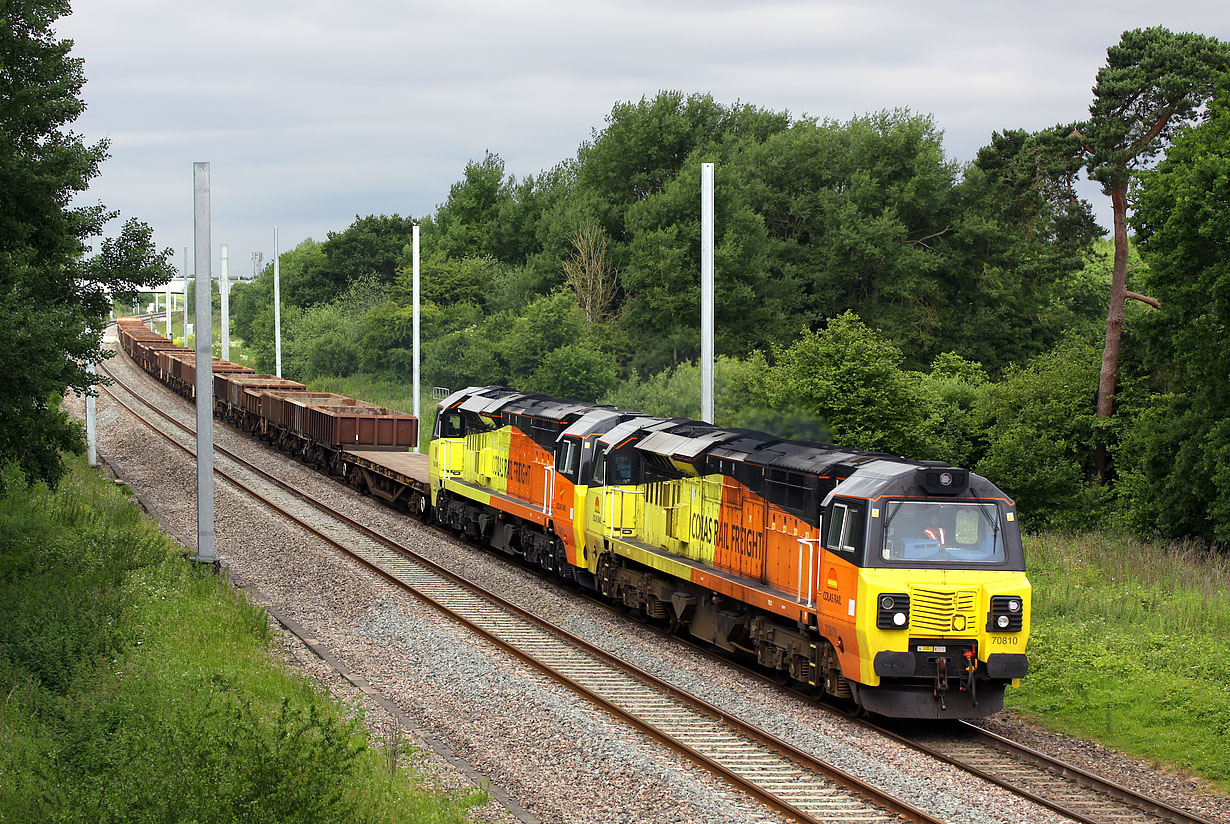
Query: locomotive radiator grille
[(943, 612)]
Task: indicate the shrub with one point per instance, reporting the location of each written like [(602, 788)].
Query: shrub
[(1040, 423)]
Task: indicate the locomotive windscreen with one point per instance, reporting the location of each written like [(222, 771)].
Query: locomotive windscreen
[(920, 532)]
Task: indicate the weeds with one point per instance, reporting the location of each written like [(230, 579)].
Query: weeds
[(1130, 646), (140, 688)]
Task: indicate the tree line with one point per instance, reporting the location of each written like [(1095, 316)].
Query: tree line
[(58, 274), (870, 290)]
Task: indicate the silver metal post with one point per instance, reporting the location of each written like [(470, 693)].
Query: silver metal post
[(706, 292), (168, 308), (277, 306), (184, 274), (205, 552), (224, 294), (415, 238), (91, 418)]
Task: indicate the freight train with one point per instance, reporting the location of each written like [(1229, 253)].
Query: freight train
[(894, 585), (897, 585)]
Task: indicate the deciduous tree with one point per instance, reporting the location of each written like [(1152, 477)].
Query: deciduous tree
[(591, 274), (53, 299), (1177, 465)]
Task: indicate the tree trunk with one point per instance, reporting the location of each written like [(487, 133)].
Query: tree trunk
[(1114, 322)]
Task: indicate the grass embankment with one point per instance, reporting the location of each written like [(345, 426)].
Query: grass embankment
[(1131, 647), (138, 687)]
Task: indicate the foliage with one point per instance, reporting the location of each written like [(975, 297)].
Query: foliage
[(1175, 462), (573, 370), (1153, 83), (590, 275), (311, 273), (853, 212), (905, 303), (252, 302), (1126, 647), (467, 223), (325, 339), (54, 300), (850, 377), (1016, 253), (141, 689), (662, 275), (954, 388), (645, 145), (1041, 428), (675, 392), (447, 281)]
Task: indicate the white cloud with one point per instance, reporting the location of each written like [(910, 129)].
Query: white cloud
[(312, 112)]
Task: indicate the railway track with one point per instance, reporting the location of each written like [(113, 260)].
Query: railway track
[(1047, 781), (1043, 779), (787, 780)]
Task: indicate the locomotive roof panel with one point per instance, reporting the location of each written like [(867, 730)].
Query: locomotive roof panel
[(541, 406), (601, 417), (683, 441), (458, 396), (810, 459), (905, 478), (743, 445), (875, 478), (619, 434), (486, 404)]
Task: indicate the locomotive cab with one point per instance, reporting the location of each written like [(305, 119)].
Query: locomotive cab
[(941, 572)]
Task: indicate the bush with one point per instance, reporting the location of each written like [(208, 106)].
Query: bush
[(1040, 423), (851, 378), (577, 371), (140, 688), (955, 387)]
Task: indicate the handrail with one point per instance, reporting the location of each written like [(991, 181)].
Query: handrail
[(811, 563)]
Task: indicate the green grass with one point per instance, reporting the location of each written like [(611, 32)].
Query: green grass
[(141, 688), (1131, 647)]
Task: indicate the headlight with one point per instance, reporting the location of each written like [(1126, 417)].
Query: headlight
[(1007, 614), (893, 610)]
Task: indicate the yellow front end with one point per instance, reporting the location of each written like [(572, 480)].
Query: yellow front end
[(945, 607)]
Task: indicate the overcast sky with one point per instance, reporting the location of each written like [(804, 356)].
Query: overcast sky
[(313, 112)]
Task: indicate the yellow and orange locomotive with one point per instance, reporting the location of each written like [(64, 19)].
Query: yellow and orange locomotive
[(898, 585)]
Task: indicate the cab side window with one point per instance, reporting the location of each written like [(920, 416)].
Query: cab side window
[(620, 470), (567, 458), (451, 425), (845, 528)]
